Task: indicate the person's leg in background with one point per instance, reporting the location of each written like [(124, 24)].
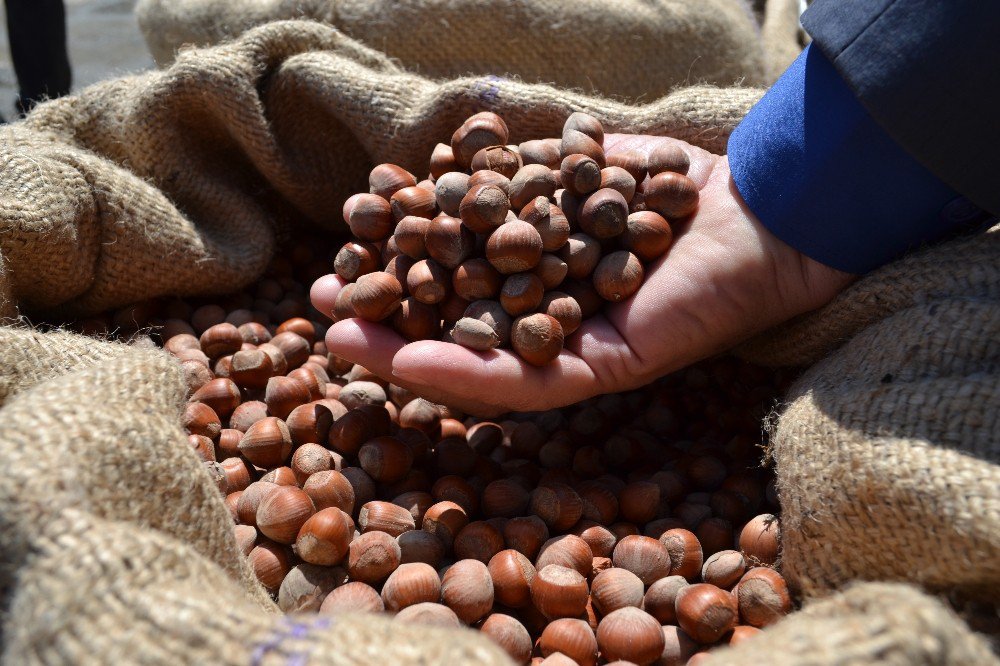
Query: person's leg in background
[(37, 31)]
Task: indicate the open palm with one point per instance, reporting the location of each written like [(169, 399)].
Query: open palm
[(724, 279)]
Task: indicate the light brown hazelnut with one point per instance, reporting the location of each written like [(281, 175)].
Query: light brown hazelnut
[(571, 637), (706, 612), (411, 584), (616, 588), (479, 131), (324, 538), (282, 513), (372, 556), (512, 574), (509, 634), (646, 557), (467, 589), (630, 634), (376, 296), (354, 597), (558, 591)]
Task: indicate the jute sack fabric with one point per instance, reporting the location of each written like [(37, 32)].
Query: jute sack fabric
[(632, 49), (116, 546), (888, 451), (172, 182)]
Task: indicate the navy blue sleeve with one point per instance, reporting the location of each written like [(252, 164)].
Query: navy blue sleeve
[(823, 176)]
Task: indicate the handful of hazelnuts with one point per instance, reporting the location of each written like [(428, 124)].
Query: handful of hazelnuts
[(509, 246)]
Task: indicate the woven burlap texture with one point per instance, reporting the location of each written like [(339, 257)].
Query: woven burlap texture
[(116, 545), (887, 455), (629, 49), (171, 182)]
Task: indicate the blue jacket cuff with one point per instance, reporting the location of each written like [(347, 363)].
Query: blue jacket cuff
[(823, 177)]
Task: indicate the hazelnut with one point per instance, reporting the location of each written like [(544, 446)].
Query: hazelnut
[(521, 293), (385, 459), (369, 217), (420, 546), (630, 634), (448, 241), (760, 539), (428, 281), (282, 476), (580, 174), (557, 505), (504, 497), (324, 538), (236, 473), (474, 334), (540, 151), (254, 333), (445, 520), (548, 220), (571, 637), (533, 180), (740, 633), (599, 502), (671, 194), (249, 501), (632, 161), (558, 591), (308, 459), (514, 247), (678, 647), (567, 550), (478, 540), (489, 178), (563, 308), (452, 487), (575, 141), (476, 279), (479, 131), (385, 517), (511, 573), (661, 597), (283, 512), (311, 422), (467, 589), (270, 563), (376, 296), (618, 179), (484, 208), (306, 585), (200, 419), (646, 557), (412, 201), (221, 394), (509, 634), (685, 553), (647, 235), (705, 612), (603, 214), (715, 534), (551, 270), (583, 292), (411, 584), (398, 267), (616, 588), (387, 179), (598, 537), (537, 338), (348, 433), (502, 159), (354, 597), (246, 537), (220, 340), (328, 489), (526, 535), (372, 556), (724, 568), (639, 501), (492, 314), (668, 157), (356, 259), (267, 443), (251, 369), (581, 254), (417, 321), (442, 161), (409, 236), (429, 614), (762, 597), (283, 394)]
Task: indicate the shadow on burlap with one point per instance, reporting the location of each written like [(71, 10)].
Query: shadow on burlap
[(116, 545)]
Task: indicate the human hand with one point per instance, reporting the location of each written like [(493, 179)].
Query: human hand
[(724, 279)]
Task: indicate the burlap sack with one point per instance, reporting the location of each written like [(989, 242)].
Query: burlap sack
[(633, 49), (171, 182), (116, 546), (888, 453)]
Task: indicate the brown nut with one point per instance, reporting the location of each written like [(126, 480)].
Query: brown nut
[(618, 276), (557, 505), (760, 540), (567, 550), (409, 236), (354, 597), (558, 591), (282, 513), (514, 247), (616, 588), (387, 179), (551, 270), (581, 254), (618, 179), (668, 157), (220, 340), (283, 394), (571, 637), (221, 394), (644, 556), (445, 520), (479, 131), (412, 201), (251, 369), (509, 634), (476, 279), (724, 568), (411, 584), (442, 161), (526, 535), (449, 190), (376, 296), (428, 281), (762, 597), (417, 321), (548, 220), (328, 489), (647, 235), (200, 419), (580, 174), (630, 634), (306, 585), (467, 589), (521, 293), (355, 259), (324, 538), (448, 241), (372, 557), (706, 612), (540, 151), (492, 314), (386, 459), (537, 338), (270, 563), (672, 195), (484, 208), (603, 214), (369, 217), (632, 161), (685, 553), (533, 180), (267, 443), (512, 574), (420, 546), (502, 159), (385, 517), (661, 597), (563, 308)]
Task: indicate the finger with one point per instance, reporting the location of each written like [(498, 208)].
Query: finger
[(365, 343), (493, 380), (323, 293)]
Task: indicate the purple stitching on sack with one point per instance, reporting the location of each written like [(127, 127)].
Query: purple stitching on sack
[(290, 630), (491, 89)]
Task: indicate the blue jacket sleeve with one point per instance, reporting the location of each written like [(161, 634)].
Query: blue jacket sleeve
[(824, 177)]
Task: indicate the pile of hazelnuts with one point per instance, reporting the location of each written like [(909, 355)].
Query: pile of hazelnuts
[(634, 528), (506, 246)]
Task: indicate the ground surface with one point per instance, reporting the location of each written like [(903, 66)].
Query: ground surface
[(104, 41)]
